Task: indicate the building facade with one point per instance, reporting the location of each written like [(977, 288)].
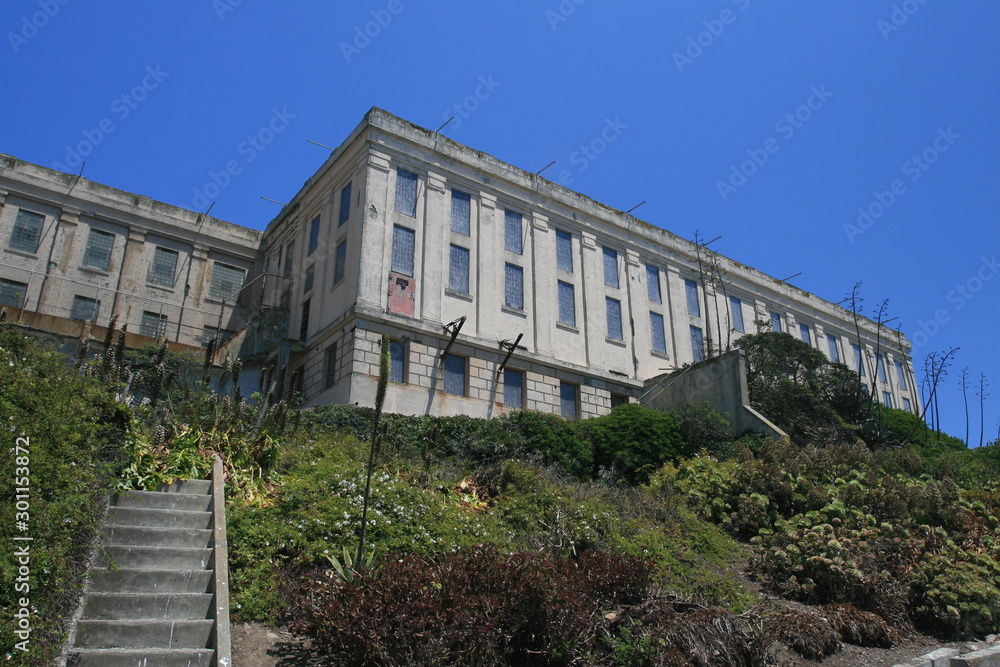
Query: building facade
[(76, 252), (456, 256), (498, 289)]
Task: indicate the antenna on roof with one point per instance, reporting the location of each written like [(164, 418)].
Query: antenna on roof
[(628, 212), (274, 201), (790, 277), (708, 243), (545, 167), (445, 123), (320, 145), (209, 210), (77, 179)]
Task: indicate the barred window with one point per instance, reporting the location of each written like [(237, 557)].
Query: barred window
[(859, 362), (12, 293), (153, 324), (610, 267), (514, 286), (697, 344), (614, 311), (805, 334), (653, 284), (568, 401), (227, 281), (330, 374), (403, 243), (564, 250), (901, 376), (314, 235), (658, 332), (340, 262), (289, 257), (831, 342), (776, 322), (27, 231), (694, 305), (345, 205), (567, 304), (99, 247), (454, 375), (406, 192), (513, 238), (164, 266), (458, 278), (513, 388), (310, 279), (397, 361), (84, 309), (461, 212), (736, 306), (304, 320)]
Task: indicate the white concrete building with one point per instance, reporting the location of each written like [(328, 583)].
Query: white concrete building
[(75, 251), (450, 252), (406, 233)]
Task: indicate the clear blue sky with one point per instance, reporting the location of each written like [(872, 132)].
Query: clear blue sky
[(770, 124)]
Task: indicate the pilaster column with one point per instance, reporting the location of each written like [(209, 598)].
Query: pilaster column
[(437, 251), (546, 303)]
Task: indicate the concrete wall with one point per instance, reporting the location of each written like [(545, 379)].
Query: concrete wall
[(720, 381)]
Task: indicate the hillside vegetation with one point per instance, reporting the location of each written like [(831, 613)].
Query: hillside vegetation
[(635, 538)]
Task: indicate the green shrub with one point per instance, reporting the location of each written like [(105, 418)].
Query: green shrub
[(76, 441), (633, 441)]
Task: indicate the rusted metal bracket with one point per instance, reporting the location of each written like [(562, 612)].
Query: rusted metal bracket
[(453, 328), (510, 347)]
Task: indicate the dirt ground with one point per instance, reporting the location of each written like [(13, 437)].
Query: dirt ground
[(256, 645)]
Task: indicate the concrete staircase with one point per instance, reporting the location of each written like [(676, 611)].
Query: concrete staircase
[(158, 594)]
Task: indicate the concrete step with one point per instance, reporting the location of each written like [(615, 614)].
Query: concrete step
[(130, 657), (156, 536), (163, 500), (136, 516), (148, 557), (172, 606), (198, 486), (104, 580), (143, 634)]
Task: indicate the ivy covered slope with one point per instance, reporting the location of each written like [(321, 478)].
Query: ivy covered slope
[(71, 434)]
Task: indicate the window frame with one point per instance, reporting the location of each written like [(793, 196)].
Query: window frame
[(520, 391), (403, 195), (8, 288), (564, 250), (691, 293), (22, 235), (572, 303), (564, 389), (340, 263), (409, 268), (215, 288), (449, 372), (513, 221), (94, 304), (330, 366), (736, 309), (697, 343), (314, 229), (399, 362), (464, 226), (160, 327), (163, 251), (345, 205), (91, 250), (655, 329), (613, 304), (509, 272), (612, 277), (653, 290), (459, 283)]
